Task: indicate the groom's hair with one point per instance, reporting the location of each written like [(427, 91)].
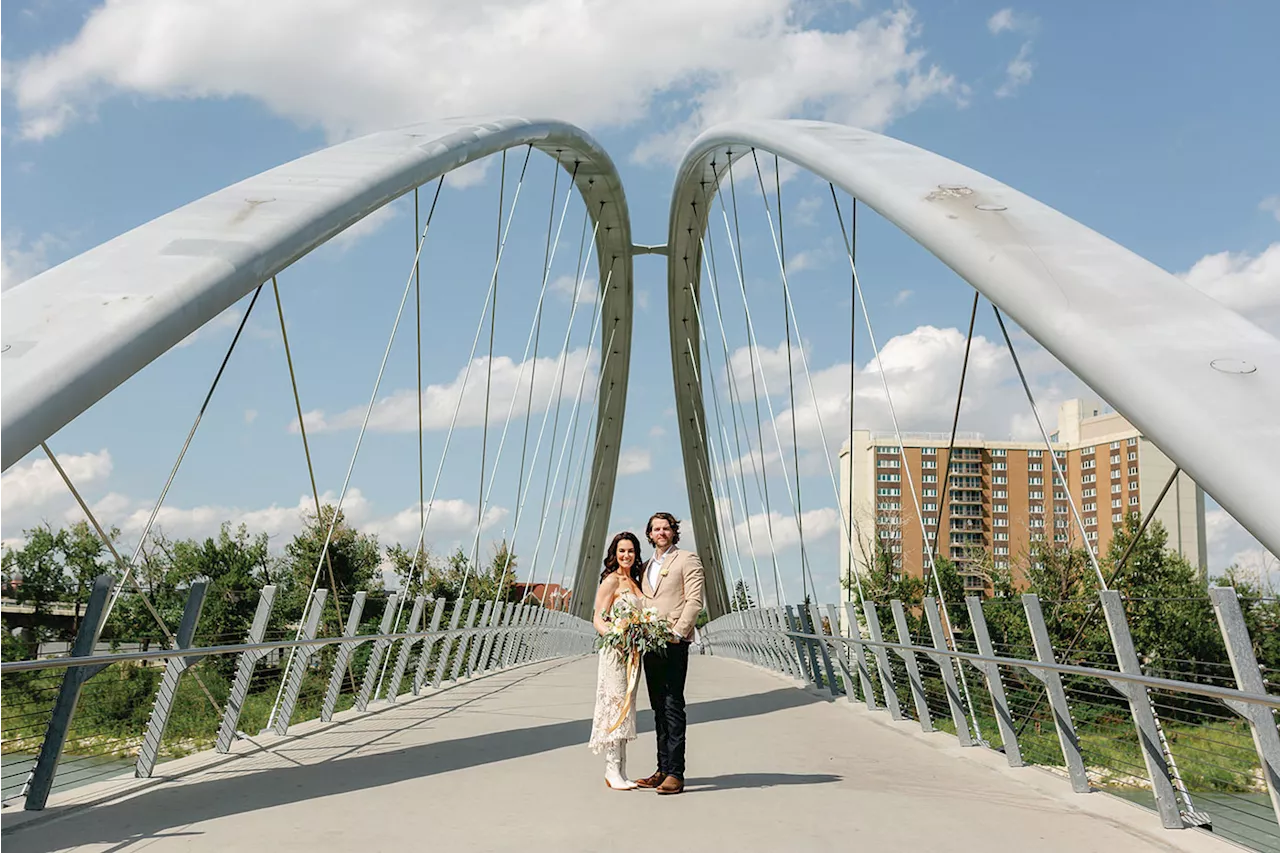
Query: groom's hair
[(669, 519)]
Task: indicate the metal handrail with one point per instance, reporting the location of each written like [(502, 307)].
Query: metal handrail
[(209, 651)]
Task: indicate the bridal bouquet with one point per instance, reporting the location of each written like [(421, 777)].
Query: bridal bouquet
[(634, 630)]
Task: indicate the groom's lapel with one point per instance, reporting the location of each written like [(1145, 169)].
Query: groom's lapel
[(644, 580), (667, 563)]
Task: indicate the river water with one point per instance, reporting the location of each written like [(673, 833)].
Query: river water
[(73, 770)]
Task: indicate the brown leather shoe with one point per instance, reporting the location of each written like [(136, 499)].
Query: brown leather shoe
[(652, 781), (671, 785)]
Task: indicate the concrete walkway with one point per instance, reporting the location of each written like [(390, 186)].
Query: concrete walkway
[(500, 763)]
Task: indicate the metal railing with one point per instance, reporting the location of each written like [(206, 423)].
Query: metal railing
[(1111, 721), (66, 724)]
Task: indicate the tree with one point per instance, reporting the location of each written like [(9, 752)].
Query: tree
[(236, 566), (742, 599), (57, 566), (352, 556)]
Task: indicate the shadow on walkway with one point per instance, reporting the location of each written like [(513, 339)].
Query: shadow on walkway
[(734, 781), (196, 799)]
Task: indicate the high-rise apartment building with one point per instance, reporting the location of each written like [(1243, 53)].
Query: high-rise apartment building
[(1004, 496)]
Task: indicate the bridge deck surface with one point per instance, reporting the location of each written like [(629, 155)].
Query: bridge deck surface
[(500, 763)]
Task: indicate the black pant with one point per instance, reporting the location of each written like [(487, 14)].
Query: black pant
[(665, 674)]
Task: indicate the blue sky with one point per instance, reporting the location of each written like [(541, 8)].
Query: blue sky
[(1157, 129)]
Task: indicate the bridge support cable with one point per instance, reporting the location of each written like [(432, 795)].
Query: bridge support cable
[(850, 528), (726, 471), (735, 405), (369, 411), (487, 495), (715, 479), (753, 351), (931, 554), (127, 568), (1058, 476), (598, 315), (735, 254)]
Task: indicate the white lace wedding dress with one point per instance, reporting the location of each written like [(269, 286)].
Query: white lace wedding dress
[(611, 695)]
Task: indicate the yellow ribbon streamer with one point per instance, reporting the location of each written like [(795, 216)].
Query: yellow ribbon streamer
[(633, 673)]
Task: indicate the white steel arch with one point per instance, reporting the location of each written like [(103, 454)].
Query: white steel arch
[(1198, 379), (75, 332)]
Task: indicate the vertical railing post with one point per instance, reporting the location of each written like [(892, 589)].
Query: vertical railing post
[(345, 649), (245, 666), (913, 666), (486, 621), (842, 655), (406, 648), (424, 658), (1244, 663), (859, 656), (40, 782), (946, 665), (804, 652), (168, 692), (380, 646), (446, 646), (468, 634), (301, 660), (995, 682), (1140, 709), (1056, 695), (518, 613), (881, 655), (815, 617)]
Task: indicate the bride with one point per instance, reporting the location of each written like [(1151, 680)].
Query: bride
[(614, 721)]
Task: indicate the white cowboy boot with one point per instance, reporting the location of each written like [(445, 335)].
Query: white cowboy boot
[(613, 757)]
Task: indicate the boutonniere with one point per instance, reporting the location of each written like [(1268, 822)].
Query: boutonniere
[(662, 573)]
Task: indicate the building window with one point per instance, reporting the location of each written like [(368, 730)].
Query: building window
[(1090, 507), (929, 463), (1001, 537), (1115, 445), (1133, 442), (1091, 522), (930, 507), (1035, 496), (1060, 455), (1036, 522), (888, 506), (1117, 503), (1115, 460), (999, 522), (1115, 474), (1059, 537), (998, 466), (1061, 522), (1133, 470), (930, 493), (999, 493), (896, 549), (930, 478), (1000, 508), (1087, 451), (1002, 550), (883, 449), (1036, 508), (1035, 466), (1115, 488), (1000, 481), (888, 478), (999, 451), (888, 492), (1088, 493), (1116, 518), (931, 520), (928, 451), (1133, 485), (1133, 456), (1092, 535), (1034, 454), (1089, 463), (889, 463), (1089, 478), (1059, 510), (1002, 564), (1035, 481), (1133, 500)]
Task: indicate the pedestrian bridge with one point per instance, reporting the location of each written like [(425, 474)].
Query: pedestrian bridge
[(499, 762), (457, 715)]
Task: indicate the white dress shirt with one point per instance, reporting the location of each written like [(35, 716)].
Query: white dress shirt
[(654, 569)]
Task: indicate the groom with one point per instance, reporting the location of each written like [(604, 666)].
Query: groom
[(671, 582)]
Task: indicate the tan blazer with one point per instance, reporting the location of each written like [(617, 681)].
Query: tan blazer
[(678, 593)]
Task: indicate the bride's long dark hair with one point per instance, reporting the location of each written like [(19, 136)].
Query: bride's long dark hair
[(611, 557)]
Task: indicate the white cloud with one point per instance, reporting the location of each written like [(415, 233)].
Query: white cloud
[(1001, 21), (657, 431), (805, 213), (588, 288), (1017, 73), (32, 484), (350, 68), (1230, 544), (902, 296), (452, 522), (1247, 284), (634, 460), (397, 412), (1271, 204), (818, 524), (20, 259), (642, 298), (250, 415)]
